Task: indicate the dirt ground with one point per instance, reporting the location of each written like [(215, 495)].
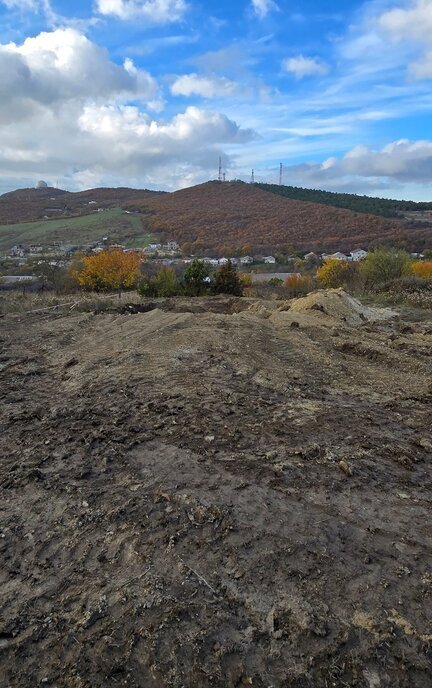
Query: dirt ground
[(215, 492)]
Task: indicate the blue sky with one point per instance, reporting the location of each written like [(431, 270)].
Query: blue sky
[(149, 93)]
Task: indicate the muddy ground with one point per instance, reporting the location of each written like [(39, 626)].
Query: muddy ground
[(226, 497)]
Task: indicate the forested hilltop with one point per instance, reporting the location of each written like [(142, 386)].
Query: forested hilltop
[(359, 204)]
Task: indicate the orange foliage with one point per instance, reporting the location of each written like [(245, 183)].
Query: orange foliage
[(108, 271), (298, 285), (422, 268), (231, 217)]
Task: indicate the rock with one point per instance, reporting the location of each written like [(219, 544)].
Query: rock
[(346, 468), (36, 474), (334, 332), (209, 439), (424, 443), (295, 324), (270, 455)]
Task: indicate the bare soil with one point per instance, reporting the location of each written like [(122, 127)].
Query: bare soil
[(218, 493)]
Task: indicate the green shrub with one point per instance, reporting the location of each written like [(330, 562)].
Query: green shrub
[(195, 278), (227, 281), (383, 265)]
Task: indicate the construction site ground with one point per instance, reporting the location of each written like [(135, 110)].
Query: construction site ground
[(216, 492)]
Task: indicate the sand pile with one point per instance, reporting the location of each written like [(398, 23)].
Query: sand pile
[(338, 304)]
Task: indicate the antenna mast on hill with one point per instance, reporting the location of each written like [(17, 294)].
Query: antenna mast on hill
[(253, 177), (280, 174), (220, 170)]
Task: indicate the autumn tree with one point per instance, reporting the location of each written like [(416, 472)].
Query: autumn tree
[(108, 270), (334, 273), (227, 281), (298, 285), (422, 268)]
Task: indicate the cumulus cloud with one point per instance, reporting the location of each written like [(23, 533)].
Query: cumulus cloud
[(412, 23), (207, 87), (59, 66), (302, 66), (263, 7), (152, 11), (400, 162), (66, 108)]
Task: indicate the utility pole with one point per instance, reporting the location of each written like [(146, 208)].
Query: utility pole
[(280, 174), (220, 170), (253, 177)]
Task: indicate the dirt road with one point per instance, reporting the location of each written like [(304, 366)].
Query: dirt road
[(239, 496)]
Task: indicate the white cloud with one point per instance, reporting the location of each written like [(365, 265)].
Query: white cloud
[(68, 111), (400, 162), (55, 67), (20, 4), (263, 7), (153, 11), (412, 24), (302, 66), (207, 87)]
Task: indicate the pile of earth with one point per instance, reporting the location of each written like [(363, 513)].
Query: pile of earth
[(337, 304), (215, 499)]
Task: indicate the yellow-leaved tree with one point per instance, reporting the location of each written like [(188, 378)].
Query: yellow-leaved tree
[(333, 273), (109, 270)]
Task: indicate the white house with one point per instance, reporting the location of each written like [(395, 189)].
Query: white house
[(270, 260), (311, 256), (338, 256), (18, 251), (152, 247), (223, 261), (358, 254), (246, 260), (172, 246)]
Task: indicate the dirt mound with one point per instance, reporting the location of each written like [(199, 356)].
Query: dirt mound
[(341, 306), (214, 500)]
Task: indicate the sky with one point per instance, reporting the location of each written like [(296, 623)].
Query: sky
[(149, 93)]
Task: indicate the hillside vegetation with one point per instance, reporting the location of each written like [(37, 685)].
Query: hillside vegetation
[(360, 204), (30, 205), (119, 226), (230, 216)]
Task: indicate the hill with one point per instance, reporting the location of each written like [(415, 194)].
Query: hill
[(230, 216), (30, 205), (360, 204), (119, 226)]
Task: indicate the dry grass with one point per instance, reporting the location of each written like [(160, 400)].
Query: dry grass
[(15, 302)]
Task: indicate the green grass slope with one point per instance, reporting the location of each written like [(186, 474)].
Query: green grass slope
[(114, 223)]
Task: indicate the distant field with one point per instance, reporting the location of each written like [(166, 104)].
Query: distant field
[(115, 223)]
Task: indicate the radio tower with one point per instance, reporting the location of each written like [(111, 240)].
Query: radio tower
[(220, 170), (253, 177), (280, 174)]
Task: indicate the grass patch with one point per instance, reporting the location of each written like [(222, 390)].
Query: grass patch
[(119, 226)]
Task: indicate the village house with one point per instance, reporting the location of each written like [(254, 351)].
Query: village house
[(151, 248), (358, 254), (246, 260), (18, 251), (337, 256), (172, 246), (311, 256), (270, 260)]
